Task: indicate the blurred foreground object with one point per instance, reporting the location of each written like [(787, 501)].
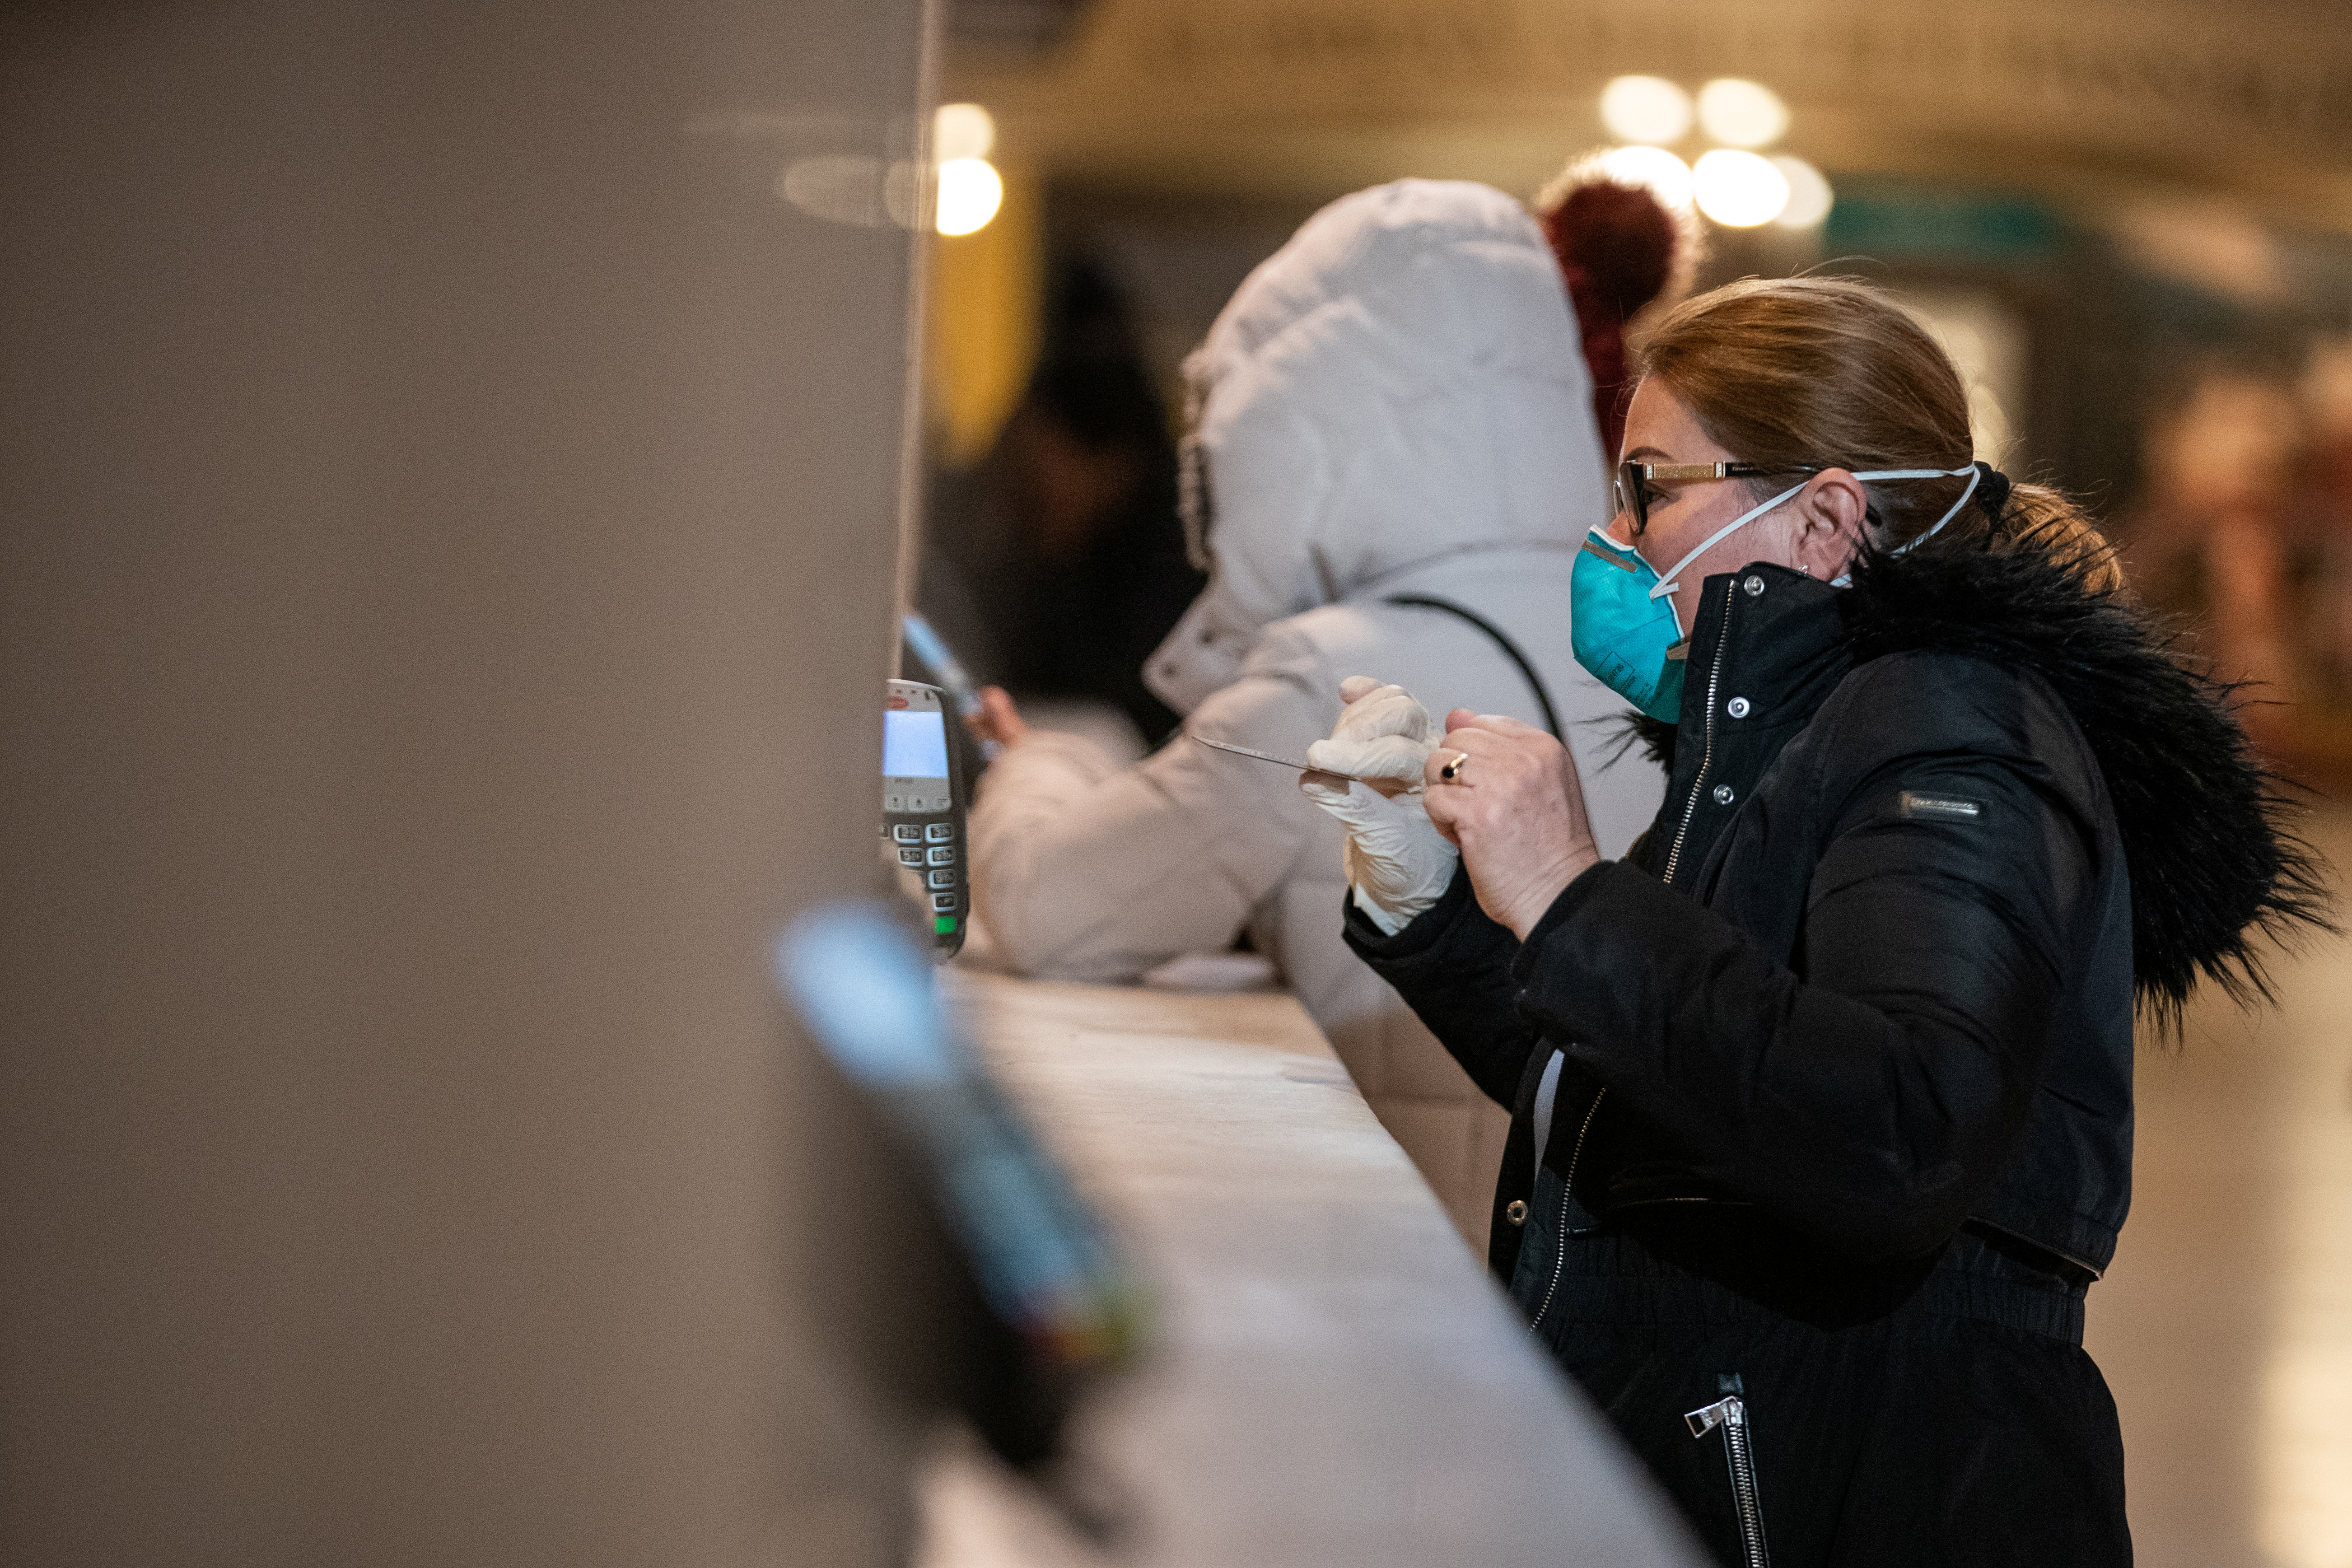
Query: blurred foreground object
[(1061, 1312), (430, 439)]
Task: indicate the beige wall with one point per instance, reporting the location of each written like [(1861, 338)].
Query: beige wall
[(448, 510)]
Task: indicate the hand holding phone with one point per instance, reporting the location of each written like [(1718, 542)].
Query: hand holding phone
[(996, 720)]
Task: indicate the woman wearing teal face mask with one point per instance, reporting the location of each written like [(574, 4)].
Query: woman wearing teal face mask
[(1821, 1095), (1627, 619)]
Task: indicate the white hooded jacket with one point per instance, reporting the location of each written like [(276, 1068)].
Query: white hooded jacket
[(1392, 405)]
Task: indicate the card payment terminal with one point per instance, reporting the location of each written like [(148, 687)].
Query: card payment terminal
[(923, 809)]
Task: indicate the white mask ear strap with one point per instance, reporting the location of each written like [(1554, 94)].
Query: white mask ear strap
[(1845, 579), (1974, 474), (1670, 582)]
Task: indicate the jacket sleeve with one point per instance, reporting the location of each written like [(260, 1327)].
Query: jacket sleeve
[(1872, 1093), (1453, 967), (1083, 871)]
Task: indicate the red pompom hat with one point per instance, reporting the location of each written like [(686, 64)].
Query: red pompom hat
[(1620, 248)]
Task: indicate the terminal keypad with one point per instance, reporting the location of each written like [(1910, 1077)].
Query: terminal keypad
[(930, 846)]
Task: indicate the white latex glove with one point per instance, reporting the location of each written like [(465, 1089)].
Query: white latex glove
[(1381, 734), (1397, 864)]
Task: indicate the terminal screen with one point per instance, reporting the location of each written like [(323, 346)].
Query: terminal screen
[(914, 745)]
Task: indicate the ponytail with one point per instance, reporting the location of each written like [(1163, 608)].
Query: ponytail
[(2041, 517)]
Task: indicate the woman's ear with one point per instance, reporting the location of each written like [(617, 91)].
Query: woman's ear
[(1832, 519)]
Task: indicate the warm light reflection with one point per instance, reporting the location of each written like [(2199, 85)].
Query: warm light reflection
[(1667, 177), (970, 192), (1739, 190), (1741, 113), (1645, 109), (1810, 197), (851, 188)]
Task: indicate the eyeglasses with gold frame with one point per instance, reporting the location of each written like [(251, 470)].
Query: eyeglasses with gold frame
[(1632, 481)]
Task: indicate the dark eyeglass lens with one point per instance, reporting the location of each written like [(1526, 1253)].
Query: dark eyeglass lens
[(1632, 499)]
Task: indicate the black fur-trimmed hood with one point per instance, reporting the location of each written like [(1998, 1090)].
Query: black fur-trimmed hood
[(2215, 865)]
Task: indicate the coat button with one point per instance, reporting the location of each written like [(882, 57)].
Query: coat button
[(1518, 1213), (1755, 584), (1723, 796), (1737, 707)]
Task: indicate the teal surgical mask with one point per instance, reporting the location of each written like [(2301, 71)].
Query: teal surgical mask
[(1629, 639), (1622, 621)]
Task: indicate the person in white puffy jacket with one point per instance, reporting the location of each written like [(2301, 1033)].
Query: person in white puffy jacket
[(1395, 462)]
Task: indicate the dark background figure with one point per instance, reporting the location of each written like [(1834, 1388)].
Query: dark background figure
[(2223, 541), (1065, 541)]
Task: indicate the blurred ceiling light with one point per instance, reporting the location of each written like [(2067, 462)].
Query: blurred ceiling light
[(1739, 190), (1667, 177), (1645, 109), (1741, 113), (1810, 197), (962, 131), (969, 194)]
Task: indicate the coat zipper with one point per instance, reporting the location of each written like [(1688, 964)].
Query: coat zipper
[(1707, 753), (1730, 1413), (1559, 1240)]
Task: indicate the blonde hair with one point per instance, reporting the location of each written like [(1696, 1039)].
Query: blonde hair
[(1808, 371)]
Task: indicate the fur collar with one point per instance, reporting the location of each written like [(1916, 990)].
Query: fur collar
[(2214, 863)]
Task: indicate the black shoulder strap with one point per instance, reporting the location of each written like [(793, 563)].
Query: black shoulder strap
[(1510, 651)]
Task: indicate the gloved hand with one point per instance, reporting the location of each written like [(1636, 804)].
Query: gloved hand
[(1381, 734), (1397, 864)]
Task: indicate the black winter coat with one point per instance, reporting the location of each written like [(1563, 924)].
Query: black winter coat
[(1868, 979)]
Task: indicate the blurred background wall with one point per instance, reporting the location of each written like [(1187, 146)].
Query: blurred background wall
[(450, 506)]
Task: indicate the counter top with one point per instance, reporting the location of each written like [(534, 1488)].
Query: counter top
[(1335, 1380)]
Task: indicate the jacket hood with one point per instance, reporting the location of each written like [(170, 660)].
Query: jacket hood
[(2215, 864), (1401, 381)]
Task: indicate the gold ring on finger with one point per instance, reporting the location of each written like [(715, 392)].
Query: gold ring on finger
[(1452, 772)]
